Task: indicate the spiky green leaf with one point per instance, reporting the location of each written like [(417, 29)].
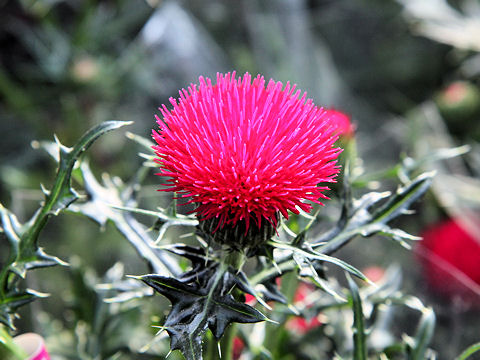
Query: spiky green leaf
[(196, 306), (23, 238)]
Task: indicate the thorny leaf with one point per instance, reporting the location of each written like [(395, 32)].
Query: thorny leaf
[(201, 304), (361, 220), (23, 238), (105, 203)]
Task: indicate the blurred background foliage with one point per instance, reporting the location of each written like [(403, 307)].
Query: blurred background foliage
[(406, 71)]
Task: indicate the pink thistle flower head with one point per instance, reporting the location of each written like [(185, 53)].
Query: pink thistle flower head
[(243, 150)]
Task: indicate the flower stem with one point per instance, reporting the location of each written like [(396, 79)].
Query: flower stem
[(211, 352), (227, 342), (8, 349), (235, 259)]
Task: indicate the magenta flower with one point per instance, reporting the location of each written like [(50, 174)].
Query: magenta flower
[(241, 151)]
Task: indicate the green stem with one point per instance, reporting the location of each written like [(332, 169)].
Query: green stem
[(339, 241), (275, 333), (8, 349), (212, 343), (226, 343), (31, 236), (211, 352), (284, 266), (235, 259)]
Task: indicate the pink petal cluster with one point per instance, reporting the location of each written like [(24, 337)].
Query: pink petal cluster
[(242, 149)]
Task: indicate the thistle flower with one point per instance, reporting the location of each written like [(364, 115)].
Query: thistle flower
[(243, 152)]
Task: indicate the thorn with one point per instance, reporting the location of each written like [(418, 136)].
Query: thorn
[(272, 321), (135, 277), (426, 175), (187, 235), (37, 293), (202, 242), (276, 267), (151, 342), (371, 283), (61, 262), (57, 141), (44, 190), (293, 309), (207, 254), (161, 328), (263, 303)]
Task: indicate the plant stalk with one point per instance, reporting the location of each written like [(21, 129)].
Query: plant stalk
[(8, 349), (226, 344)]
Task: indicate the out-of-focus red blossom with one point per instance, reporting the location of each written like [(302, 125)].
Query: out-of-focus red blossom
[(299, 324), (250, 299), (343, 123), (238, 347), (374, 273), (243, 150), (451, 259), (455, 92)]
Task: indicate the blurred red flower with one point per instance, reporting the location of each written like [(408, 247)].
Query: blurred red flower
[(238, 347), (343, 123), (455, 92), (374, 273), (299, 324), (451, 259), (243, 150)]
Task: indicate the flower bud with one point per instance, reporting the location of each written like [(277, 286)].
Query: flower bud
[(459, 105)]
